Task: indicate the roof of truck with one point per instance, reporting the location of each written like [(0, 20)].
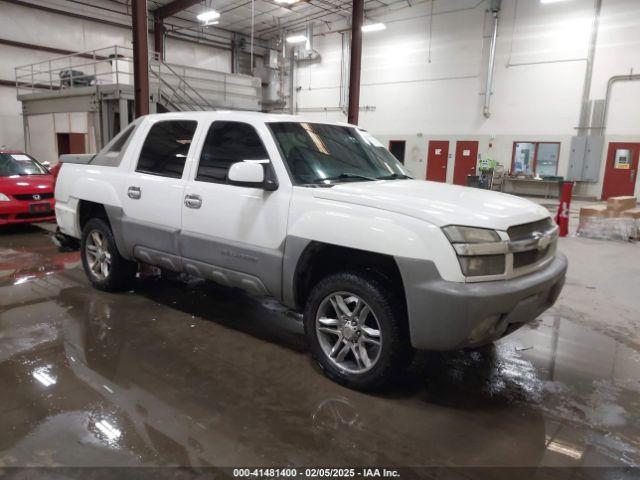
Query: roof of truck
[(246, 116)]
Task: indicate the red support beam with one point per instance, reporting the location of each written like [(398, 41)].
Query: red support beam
[(174, 7), (140, 58), (356, 61), (159, 14)]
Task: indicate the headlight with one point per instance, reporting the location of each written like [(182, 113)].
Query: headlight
[(482, 265), (4, 198), (480, 250), (457, 234)]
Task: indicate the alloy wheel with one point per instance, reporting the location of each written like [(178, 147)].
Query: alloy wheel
[(97, 254), (349, 332)]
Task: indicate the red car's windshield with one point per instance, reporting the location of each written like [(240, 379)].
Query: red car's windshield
[(20, 164)]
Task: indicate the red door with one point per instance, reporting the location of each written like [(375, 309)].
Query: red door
[(621, 169), (466, 161), (437, 160)]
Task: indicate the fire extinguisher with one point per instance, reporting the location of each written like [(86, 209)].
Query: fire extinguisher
[(562, 217)]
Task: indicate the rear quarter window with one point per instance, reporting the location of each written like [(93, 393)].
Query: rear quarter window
[(111, 155)]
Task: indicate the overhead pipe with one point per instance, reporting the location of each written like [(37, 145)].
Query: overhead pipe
[(631, 77), (140, 58), (356, 61), (495, 10)]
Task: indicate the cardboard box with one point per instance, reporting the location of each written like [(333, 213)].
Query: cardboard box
[(593, 211), (599, 211), (633, 213), (622, 203)]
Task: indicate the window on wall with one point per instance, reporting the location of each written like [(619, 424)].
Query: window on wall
[(166, 147), (535, 158), (397, 148)]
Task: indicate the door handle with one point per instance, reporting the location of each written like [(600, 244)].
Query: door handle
[(193, 201), (633, 175), (134, 192)]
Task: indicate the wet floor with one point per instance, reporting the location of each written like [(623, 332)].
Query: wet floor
[(181, 372)]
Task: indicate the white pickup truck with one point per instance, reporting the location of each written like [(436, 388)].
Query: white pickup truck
[(323, 218)]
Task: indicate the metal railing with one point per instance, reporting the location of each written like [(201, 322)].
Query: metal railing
[(180, 87), (180, 96)]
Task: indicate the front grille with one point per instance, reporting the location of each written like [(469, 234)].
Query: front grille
[(30, 196), (526, 230), (522, 259), (25, 216)]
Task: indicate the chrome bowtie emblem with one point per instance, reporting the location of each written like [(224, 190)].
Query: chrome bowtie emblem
[(543, 240), (37, 197)]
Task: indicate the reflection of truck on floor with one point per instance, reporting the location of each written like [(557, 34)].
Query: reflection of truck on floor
[(322, 217)]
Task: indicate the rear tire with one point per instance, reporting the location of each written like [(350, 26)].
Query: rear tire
[(105, 268), (357, 332)]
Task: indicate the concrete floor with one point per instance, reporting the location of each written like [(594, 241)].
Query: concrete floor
[(182, 373)]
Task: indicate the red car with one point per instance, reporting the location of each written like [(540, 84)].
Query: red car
[(26, 189)]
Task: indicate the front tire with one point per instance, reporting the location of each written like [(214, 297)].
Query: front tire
[(105, 268), (356, 330)]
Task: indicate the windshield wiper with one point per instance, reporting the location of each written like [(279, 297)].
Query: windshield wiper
[(346, 176), (394, 176)]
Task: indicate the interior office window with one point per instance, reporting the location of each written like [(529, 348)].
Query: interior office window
[(547, 159), (524, 153), (536, 158), (397, 148), (166, 147), (228, 143)]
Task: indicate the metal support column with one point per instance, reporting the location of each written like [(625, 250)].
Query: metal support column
[(123, 111), (140, 57), (585, 110), (158, 36), (356, 61)]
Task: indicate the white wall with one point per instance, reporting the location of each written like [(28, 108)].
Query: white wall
[(32, 26), (540, 67)]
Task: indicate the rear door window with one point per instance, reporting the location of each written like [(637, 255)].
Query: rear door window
[(165, 149)]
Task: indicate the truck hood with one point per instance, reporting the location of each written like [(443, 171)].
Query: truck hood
[(438, 203)]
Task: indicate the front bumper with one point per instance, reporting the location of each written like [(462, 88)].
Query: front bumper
[(447, 315), (17, 211)]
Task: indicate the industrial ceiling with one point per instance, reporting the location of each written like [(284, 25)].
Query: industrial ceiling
[(270, 17)]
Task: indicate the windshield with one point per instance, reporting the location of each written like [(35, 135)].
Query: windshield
[(20, 164), (317, 153)]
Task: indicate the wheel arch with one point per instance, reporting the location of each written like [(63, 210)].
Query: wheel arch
[(111, 215), (319, 259)]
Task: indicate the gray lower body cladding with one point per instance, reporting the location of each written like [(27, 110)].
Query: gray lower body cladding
[(234, 264), (447, 315)]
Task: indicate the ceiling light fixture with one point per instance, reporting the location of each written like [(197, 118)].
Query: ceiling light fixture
[(296, 39), (286, 2), (373, 27), (552, 1), (208, 17)]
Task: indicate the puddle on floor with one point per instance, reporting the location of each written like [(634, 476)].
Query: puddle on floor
[(184, 372)]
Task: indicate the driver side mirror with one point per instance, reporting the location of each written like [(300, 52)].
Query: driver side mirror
[(253, 173), (46, 164)]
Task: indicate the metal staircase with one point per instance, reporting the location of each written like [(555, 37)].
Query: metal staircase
[(174, 91)]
